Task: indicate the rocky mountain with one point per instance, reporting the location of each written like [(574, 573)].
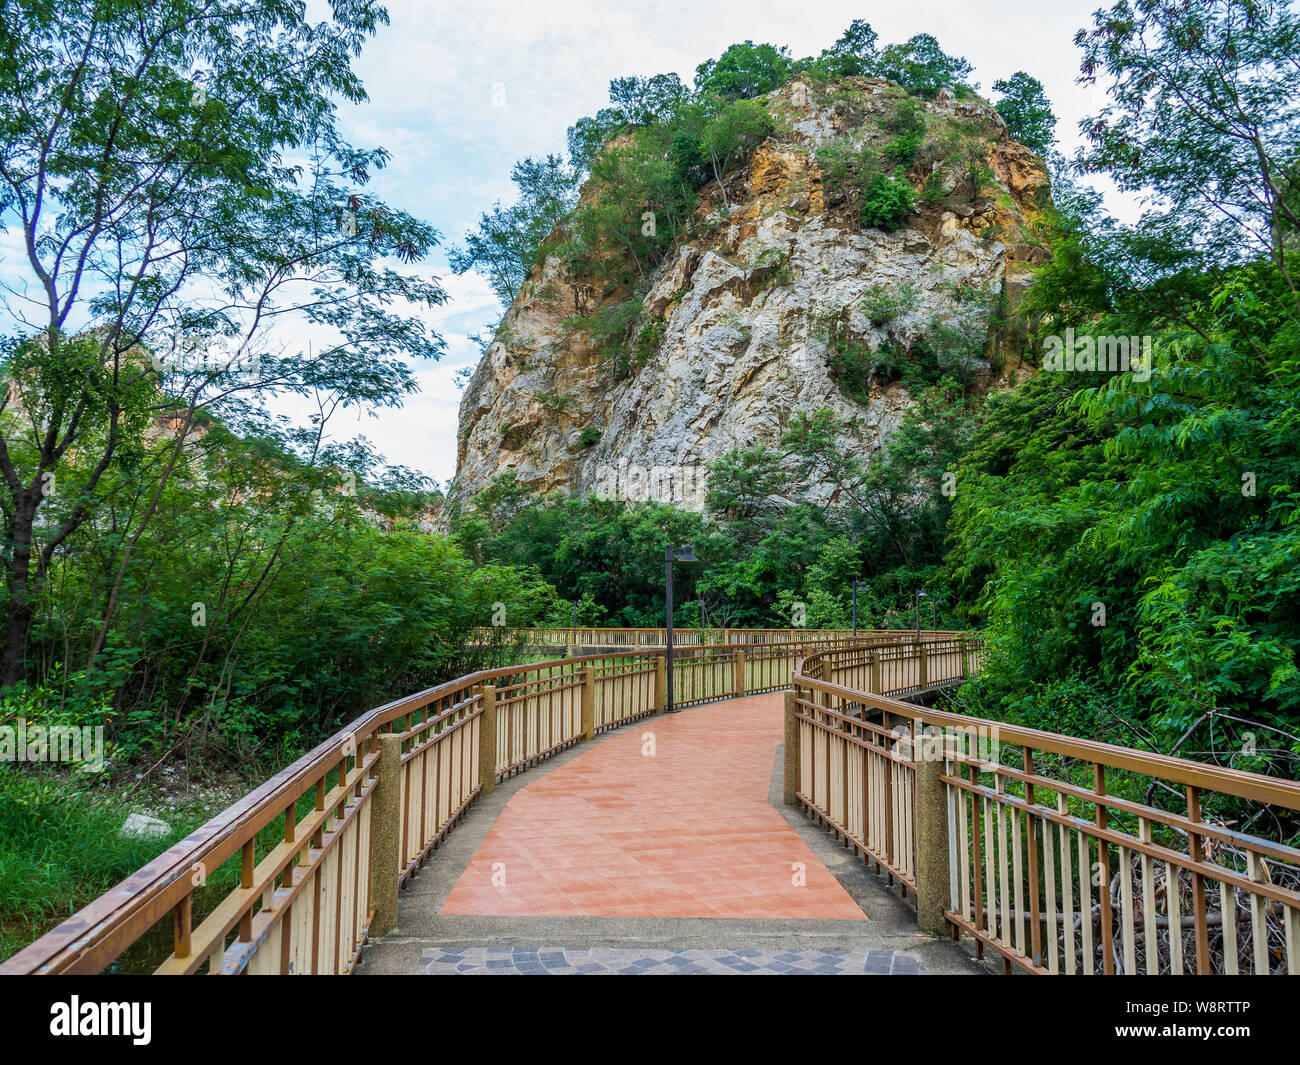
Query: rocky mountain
[(761, 314)]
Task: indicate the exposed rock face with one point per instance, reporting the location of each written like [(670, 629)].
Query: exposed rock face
[(740, 314)]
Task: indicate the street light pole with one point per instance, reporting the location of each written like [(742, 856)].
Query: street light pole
[(685, 554), (919, 596), (856, 585)]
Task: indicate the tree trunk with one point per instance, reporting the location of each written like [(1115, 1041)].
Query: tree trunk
[(18, 581)]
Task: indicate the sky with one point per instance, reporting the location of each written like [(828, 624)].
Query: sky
[(459, 90)]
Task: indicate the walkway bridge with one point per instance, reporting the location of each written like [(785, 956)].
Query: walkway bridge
[(1050, 853)]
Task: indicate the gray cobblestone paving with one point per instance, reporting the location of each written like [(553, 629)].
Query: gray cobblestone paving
[(637, 961)]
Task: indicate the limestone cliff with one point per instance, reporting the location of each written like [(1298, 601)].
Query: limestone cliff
[(742, 317)]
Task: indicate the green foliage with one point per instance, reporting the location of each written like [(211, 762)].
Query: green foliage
[(762, 546), (556, 403), (853, 365), (920, 66), (178, 176), (641, 101), (906, 120), (1219, 175), (965, 146), (648, 339), (608, 329), (887, 201), (589, 437), (773, 264), (271, 595), (1026, 110), (904, 117), (902, 149), (59, 846), (1131, 538), (743, 71), (885, 302), (507, 242), (842, 163), (730, 133), (853, 55)]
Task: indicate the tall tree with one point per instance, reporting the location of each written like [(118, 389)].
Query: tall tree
[(505, 244), (176, 178), (854, 54), (1025, 109), (1204, 120), (743, 71), (921, 66)]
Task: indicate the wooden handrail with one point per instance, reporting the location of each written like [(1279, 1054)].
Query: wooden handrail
[(986, 855), (1239, 782)]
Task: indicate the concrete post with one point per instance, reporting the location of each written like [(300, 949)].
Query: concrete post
[(661, 683), (933, 884), (790, 777), (487, 741), (588, 704), (385, 827), (740, 673), (571, 650)]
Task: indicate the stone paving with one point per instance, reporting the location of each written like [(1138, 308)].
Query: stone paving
[(684, 831), (619, 961), (684, 861)]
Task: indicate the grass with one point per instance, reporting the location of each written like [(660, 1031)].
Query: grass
[(60, 847)]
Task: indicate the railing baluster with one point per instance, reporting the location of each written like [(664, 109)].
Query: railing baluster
[(1035, 933), (1196, 853), (1103, 859)]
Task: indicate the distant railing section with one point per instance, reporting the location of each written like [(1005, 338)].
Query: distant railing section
[(650, 637), (1046, 848), (360, 814)]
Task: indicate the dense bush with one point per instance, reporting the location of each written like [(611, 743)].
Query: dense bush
[(887, 200)]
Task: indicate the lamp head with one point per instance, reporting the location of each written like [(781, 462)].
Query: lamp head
[(687, 554)]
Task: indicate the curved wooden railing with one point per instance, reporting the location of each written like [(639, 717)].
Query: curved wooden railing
[(317, 851), (1051, 850), (588, 636)]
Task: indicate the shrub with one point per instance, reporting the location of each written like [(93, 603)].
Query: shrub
[(903, 148), (884, 303), (608, 327), (840, 163), (887, 201), (589, 437), (648, 339)]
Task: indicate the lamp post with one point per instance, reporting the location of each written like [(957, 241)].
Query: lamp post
[(856, 585), (671, 555), (919, 596)]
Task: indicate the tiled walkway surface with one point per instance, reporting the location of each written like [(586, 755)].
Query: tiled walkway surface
[(620, 961), (666, 818)]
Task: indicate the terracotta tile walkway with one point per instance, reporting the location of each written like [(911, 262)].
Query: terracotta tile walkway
[(687, 832)]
